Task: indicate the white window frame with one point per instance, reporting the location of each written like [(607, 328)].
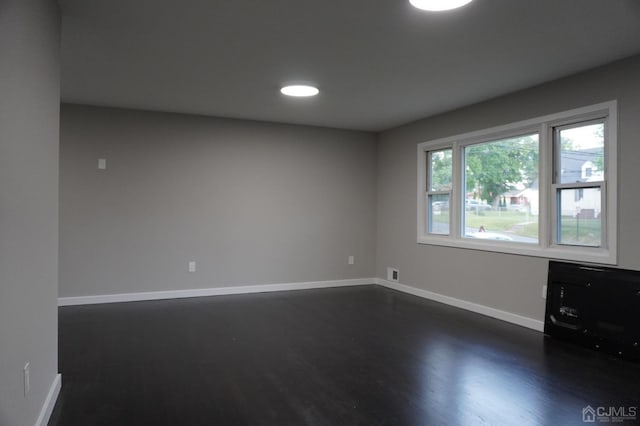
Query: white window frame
[(547, 246)]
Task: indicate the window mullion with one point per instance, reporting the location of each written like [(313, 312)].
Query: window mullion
[(456, 197), (545, 170), (604, 215)]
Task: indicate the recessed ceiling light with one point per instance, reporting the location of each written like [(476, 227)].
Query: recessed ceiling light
[(438, 5), (299, 90)]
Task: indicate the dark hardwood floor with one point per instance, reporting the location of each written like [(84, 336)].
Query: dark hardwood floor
[(345, 356)]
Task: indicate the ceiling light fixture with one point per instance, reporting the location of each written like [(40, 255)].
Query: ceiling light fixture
[(438, 5), (299, 90)]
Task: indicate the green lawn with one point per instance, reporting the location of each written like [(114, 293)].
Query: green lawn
[(573, 231), (518, 223), (494, 221), (584, 232), (501, 221)]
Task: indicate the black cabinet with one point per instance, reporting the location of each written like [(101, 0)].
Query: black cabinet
[(594, 306)]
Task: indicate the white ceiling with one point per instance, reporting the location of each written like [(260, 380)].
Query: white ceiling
[(377, 63)]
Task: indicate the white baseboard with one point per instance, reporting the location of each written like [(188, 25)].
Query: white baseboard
[(262, 288), (469, 306), (50, 401), (215, 291)]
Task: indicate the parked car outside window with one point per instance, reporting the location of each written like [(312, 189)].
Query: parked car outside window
[(477, 205)]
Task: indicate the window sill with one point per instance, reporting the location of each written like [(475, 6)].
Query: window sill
[(579, 254)]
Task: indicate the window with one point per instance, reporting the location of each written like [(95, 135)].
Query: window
[(579, 183), (496, 170), (543, 187), (439, 191)]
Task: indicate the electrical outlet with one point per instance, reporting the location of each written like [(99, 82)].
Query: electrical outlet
[(102, 163), (352, 260), (544, 291), (393, 274), (25, 375), (192, 266)]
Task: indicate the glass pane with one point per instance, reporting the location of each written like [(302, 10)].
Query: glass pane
[(501, 190), (438, 211), (440, 170), (582, 154), (579, 220)]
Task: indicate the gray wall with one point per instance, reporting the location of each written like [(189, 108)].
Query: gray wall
[(507, 282), (252, 203), (257, 203), (29, 120)]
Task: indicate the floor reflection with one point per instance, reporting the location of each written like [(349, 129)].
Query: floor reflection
[(474, 384)]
